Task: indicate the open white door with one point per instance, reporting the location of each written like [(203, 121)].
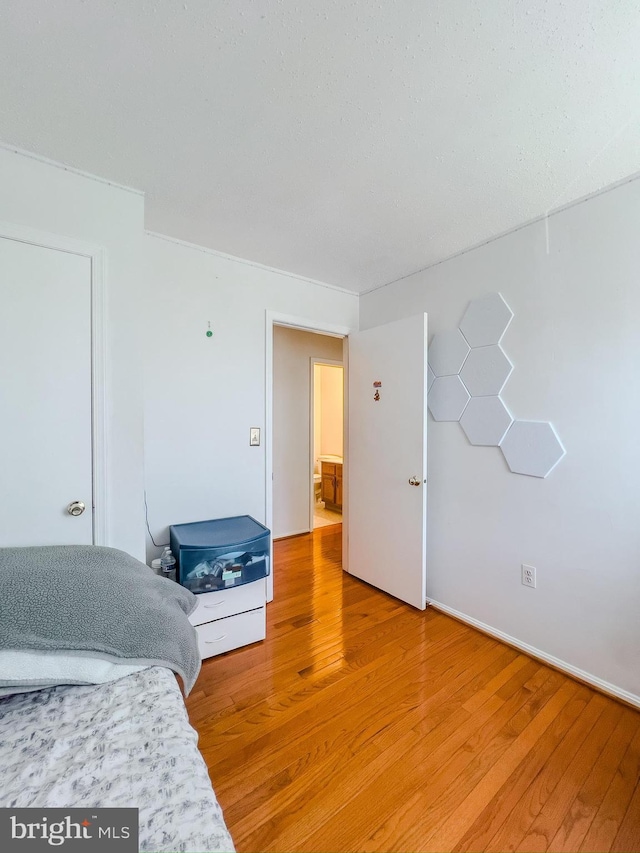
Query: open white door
[(387, 460)]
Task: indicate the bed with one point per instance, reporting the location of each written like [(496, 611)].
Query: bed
[(66, 742)]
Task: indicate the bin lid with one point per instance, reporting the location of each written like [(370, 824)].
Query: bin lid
[(238, 529)]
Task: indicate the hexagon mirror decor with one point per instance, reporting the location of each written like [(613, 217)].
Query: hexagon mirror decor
[(447, 353), (486, 320), (532, 448), (430, 377), (485, 420), (447, 398), (485, 371)]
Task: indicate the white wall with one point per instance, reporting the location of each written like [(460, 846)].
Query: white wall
[(332, 410), (292, 351), (200, 395), (203, 394), (575, 345), (48, 198), (317, 416)]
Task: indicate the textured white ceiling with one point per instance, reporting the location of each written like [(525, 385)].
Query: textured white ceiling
[(350, 142)]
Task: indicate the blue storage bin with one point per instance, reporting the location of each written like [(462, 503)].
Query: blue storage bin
[(220, 553)]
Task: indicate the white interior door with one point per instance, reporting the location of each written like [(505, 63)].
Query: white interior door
[(387, 534), (45, 395)]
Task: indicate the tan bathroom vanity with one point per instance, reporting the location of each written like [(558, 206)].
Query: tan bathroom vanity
[(331, 494)]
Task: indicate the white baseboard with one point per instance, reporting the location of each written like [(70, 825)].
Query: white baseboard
[(580, 674)]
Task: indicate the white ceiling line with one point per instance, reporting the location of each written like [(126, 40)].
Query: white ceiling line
[(248, 263), (23, 153), (543, 218)]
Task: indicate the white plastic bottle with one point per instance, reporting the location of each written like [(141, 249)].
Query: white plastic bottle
[(168, 564)]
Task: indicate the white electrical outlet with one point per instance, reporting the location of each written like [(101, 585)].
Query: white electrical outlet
[(529, 576)]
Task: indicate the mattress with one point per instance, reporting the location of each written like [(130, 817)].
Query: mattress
[(124, 743)]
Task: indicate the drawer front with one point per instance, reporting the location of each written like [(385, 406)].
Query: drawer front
[(328, 468), (223, 635), (205, 570), (228, 602)]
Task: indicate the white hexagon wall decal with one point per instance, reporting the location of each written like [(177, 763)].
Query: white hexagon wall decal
[(485, 420), (447, 398), (485, 371), (485, 321), (532, 447), (447, 352), (430, 377)]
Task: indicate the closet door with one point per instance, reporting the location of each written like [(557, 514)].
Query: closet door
[(45, 396)]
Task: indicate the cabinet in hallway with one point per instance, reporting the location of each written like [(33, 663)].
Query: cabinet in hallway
[(332, 485)]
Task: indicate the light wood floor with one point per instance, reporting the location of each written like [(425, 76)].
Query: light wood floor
[(361, 724)]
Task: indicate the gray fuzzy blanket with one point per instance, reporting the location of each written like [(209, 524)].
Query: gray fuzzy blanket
[(88, 600)]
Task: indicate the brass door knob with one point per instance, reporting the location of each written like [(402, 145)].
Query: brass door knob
[(414, 481)]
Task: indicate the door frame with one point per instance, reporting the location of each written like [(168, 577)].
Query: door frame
[(303, 324), (98, 260), (331, 362)]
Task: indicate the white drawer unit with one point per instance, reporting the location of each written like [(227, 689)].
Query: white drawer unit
[(222, 635), (227, 602), (230, 618)]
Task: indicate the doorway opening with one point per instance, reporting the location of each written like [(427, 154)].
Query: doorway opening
[(305, 363), (298, 426), (327, 442)]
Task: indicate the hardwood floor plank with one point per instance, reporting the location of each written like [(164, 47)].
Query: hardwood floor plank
[(296, 813), (628, 838), (451, 726), (491, 769), (589, 798), (389, 709), (281, 716), (248, 688), (390, 713), (362, 724), (496, 812), (501, 678), (545, 825), (533, 799), (605, 825), (444, 763)]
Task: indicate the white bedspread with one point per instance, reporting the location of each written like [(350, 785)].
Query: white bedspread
[(125, 743)]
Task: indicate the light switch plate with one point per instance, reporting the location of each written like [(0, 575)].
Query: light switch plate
[(254, 436)]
